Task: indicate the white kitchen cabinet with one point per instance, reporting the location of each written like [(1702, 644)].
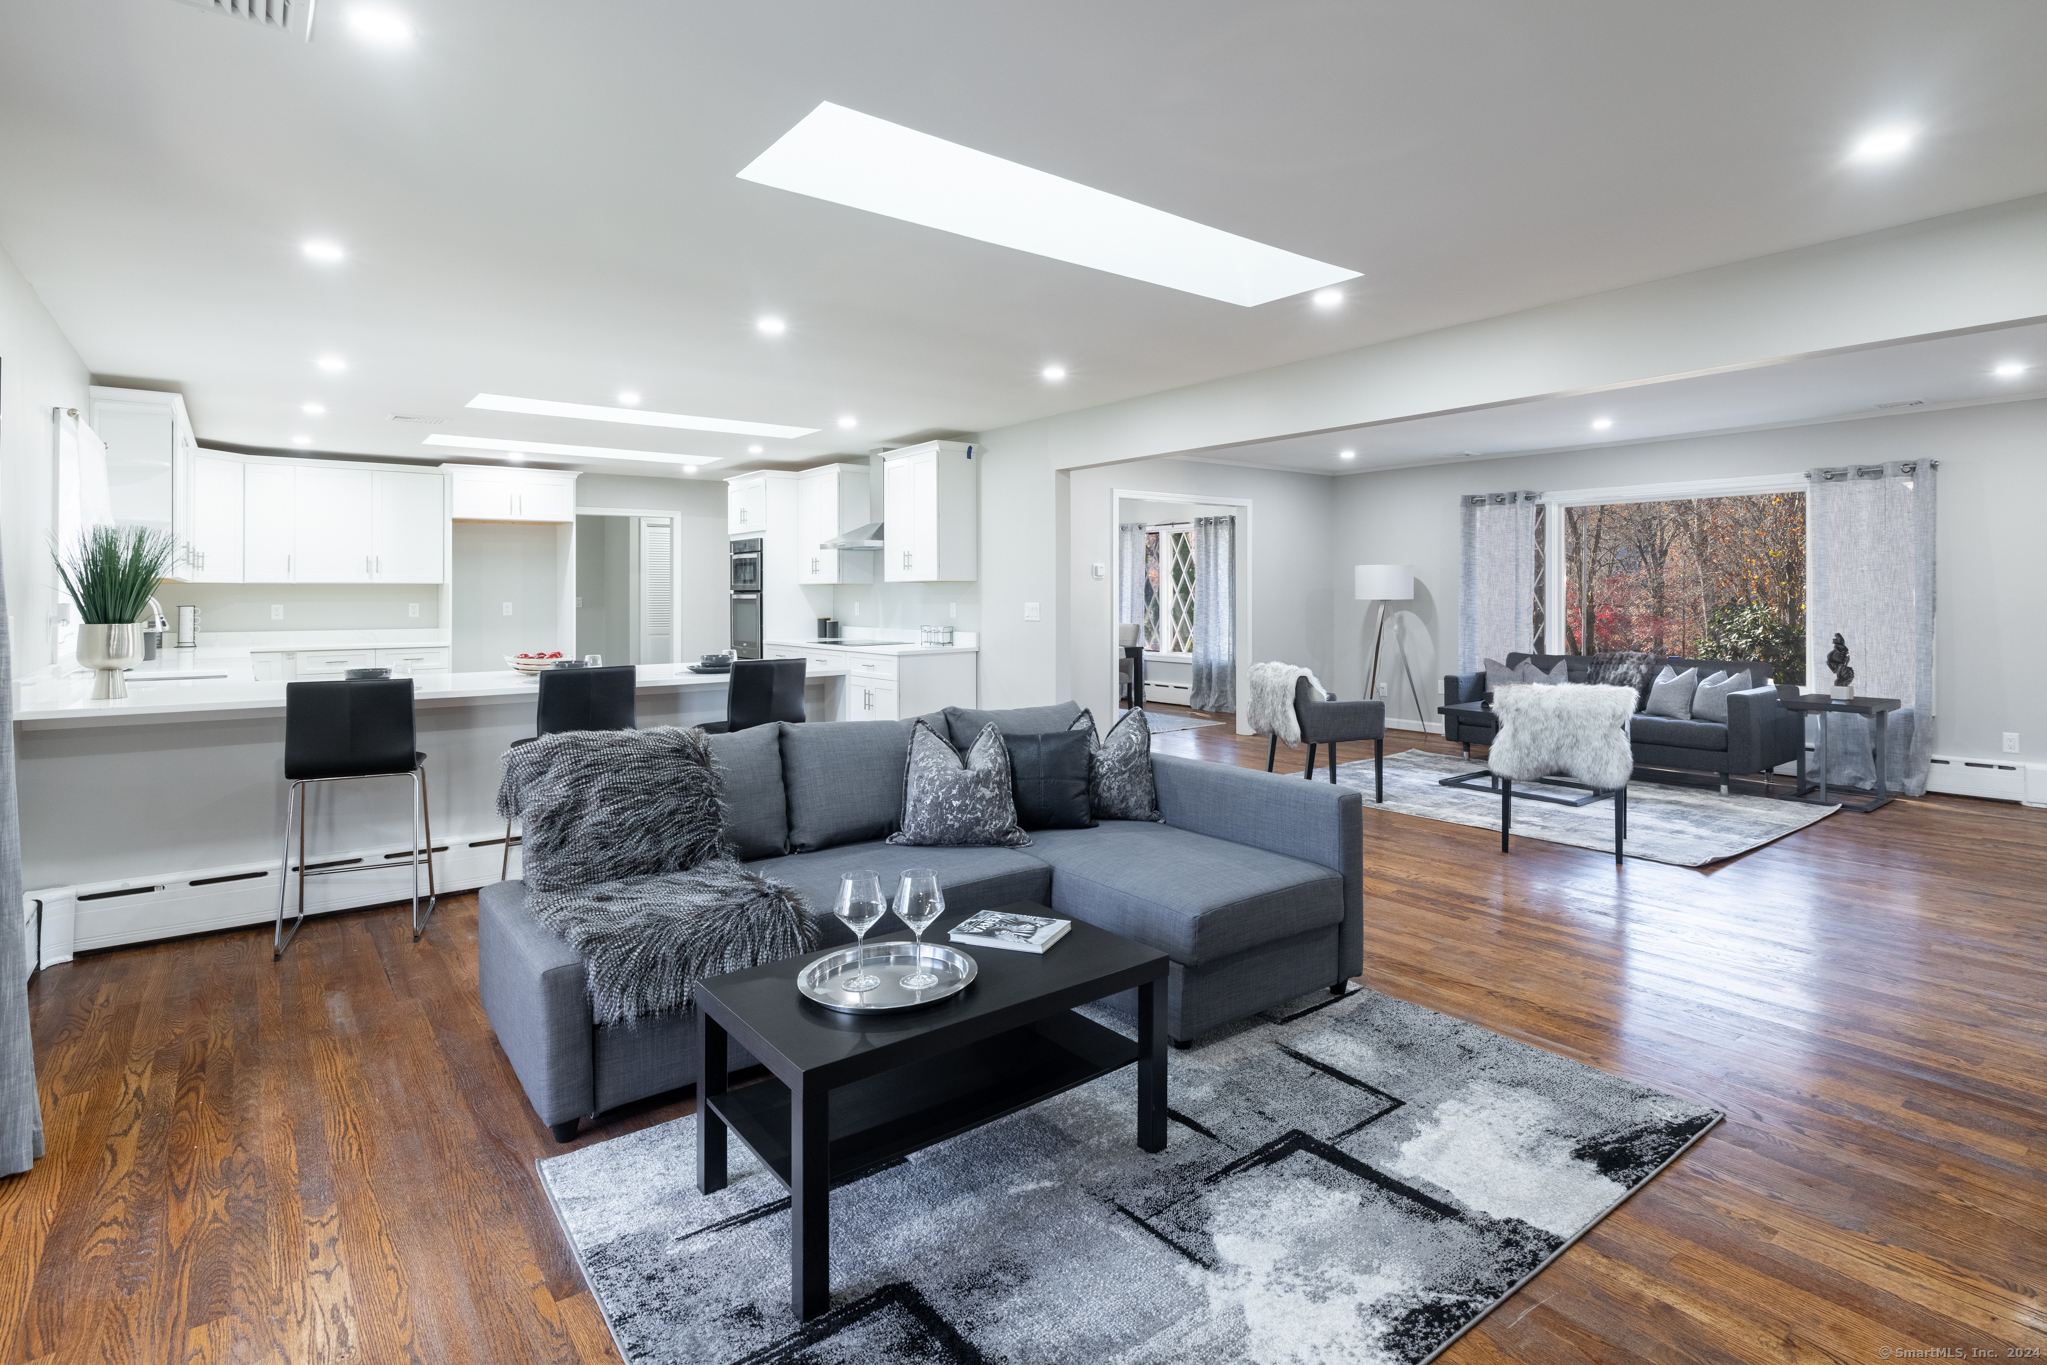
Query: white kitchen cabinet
[(408, 526), (932, 513), (746, 504), (269, 512), (406, 663), (869, 700), (212, 553), (331, 536), (829, 502), (484, 494)]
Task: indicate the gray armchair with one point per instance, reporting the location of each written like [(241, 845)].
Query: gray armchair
[(1325, 720)]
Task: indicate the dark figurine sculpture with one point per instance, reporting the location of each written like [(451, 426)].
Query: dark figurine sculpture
[(1838, 662)]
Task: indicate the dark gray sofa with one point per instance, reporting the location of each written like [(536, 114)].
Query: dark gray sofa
[(1759, 734), (1253, 885)]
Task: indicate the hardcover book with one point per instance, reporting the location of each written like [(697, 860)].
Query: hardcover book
[(1021, 933)]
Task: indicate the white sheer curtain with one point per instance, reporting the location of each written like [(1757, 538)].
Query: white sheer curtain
[(1215, 615), (1130, 574), (1496, 588), (1870, 579), (21, 1112)]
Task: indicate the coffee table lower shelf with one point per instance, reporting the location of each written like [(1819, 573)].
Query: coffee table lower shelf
[(878, 1119)]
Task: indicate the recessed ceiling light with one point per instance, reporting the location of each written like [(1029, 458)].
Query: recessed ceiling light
[(868, 163), (689, 469), (1055, 373), (1883, 144), (628, 399), (374, 24), (542, 407), (1346, 454), (313, 410), (848, 423), (773, 327), (323, 251), (1601, 423), (753, 450), (571, 452), (301, 440), (515, 458), (332, 364), (2010, 369), (1328, 298)]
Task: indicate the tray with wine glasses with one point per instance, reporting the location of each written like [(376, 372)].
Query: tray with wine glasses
[(890, 975)]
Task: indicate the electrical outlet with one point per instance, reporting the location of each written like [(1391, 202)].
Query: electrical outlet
[(954, 610), (412, 608), (1031, 611), (856, 608), (2011, 742), (1385, 690), (579, 602), (508, 608), (277, 611)]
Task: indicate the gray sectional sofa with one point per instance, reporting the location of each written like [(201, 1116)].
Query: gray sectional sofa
[(1253, 885)]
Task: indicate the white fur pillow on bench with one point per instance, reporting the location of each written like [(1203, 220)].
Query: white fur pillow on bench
[(1575, 732)]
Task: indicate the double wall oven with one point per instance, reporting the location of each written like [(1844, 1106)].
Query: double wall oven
[(746, 598)]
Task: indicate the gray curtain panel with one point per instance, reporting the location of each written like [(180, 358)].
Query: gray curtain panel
[(1870, 579), (1215, 615), (1496, 585), (21, 1112), (1130, 574)]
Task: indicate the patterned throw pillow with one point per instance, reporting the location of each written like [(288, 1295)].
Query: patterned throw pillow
[(951, 802), (1120, 782), (1622, 668), (1671, 694), (1710, 701)]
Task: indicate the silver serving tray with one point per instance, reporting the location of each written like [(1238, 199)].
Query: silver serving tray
[(891, 960)]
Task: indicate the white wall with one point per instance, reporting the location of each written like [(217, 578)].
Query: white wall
[(39, 372), (498, 562), (307, 606), (1991, 646), (1284, 539), (703, 579)]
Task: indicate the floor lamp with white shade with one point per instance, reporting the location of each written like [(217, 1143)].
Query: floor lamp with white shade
[(1384, 584)]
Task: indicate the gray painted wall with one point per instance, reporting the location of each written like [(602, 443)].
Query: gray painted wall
[(1992, 627)]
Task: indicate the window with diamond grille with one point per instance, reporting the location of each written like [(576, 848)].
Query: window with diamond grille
[(1151, 591), (1183, 593)]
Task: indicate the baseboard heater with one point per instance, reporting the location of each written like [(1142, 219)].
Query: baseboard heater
[(1994, 779)]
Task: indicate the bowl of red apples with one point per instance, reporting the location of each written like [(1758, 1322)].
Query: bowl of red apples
[(532, 664)]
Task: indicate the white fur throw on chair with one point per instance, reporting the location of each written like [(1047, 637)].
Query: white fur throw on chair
[(1575, 732), (1269, 710)]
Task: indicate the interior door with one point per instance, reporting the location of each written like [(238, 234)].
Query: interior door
[(217, 520), (407, 528), (654, 592), (333, 510), (269, 498)]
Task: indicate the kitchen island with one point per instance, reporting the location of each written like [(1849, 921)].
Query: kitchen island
[(162, 813)]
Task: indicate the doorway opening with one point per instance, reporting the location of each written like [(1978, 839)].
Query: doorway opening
[(626, 588), (1181, 585)]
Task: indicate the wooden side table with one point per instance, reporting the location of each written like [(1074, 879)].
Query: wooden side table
[(1823, 705)]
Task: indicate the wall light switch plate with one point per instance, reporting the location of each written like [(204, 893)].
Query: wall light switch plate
[(1098, 570), (2011, 742), (412, 608), (277, 611), (1031, 611), (955, 610), (508, 608)]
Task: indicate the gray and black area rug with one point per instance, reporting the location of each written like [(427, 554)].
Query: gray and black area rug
[(1354, 1183), (1685, 826)]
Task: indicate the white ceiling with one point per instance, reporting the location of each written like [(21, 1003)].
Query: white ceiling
[(541, 199)]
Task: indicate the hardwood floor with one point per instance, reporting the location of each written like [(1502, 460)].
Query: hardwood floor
[(329, 1159)]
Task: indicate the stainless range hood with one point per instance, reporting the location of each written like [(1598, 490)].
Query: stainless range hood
[(866, 537)]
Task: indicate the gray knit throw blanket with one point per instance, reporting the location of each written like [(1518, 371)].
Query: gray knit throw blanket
[(625, 857)]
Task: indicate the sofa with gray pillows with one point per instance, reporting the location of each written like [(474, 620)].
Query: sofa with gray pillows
[(1251, 882), (1730, 731)]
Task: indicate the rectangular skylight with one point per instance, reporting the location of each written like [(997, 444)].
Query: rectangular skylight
[(868, 163), (571, 452), (542, 407)]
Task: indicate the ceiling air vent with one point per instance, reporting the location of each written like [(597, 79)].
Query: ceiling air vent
[(1909, 403), (275, 14), (420, 421)]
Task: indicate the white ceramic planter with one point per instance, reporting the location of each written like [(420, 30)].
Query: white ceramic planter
[(108, 651)]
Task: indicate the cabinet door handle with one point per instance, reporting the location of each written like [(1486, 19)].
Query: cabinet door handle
[(366, 565), (287, 566)]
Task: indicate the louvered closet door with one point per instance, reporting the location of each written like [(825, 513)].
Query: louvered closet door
[(656, 644)]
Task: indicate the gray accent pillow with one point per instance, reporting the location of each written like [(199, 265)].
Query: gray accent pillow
[(1710, 701), (844, 779), (1671, 694), (1120, 783), (605, 805), (1531, 672), (1498, 675), (756, 806), (953, 802)]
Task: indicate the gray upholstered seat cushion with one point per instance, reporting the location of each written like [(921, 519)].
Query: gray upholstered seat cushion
[(966, 725), (1678, 734), (1194, 897), (756, 807), (844, 779), (971, 878)]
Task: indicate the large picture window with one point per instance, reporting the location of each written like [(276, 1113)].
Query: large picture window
[(1709, 578)]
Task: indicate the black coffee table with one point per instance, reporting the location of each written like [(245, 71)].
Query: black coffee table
[(851, 1092)]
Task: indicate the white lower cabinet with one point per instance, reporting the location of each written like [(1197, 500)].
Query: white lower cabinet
[(326, 665), (885, 686), (870, 700)]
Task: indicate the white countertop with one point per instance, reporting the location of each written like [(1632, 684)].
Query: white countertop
[(875, 647), (45, 702)]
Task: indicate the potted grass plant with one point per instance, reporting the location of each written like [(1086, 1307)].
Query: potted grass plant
[(110, 573)]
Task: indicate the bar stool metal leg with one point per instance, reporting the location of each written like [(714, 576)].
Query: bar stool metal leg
[(418, 810), (294, 795)]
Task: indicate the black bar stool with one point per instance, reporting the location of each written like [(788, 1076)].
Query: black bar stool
[(580, 699), (343, 732), (762, 691)]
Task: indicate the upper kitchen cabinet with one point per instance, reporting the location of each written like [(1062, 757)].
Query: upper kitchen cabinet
[(830, 502), (150, 469), (213, 552), (331, 511), (932, 514), (310, 521), (482, 493), (746, 503), (408, 525)]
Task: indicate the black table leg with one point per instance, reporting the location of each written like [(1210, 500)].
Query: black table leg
[(1379, 769), (1332, 762), (1151, 1066), (710, 1081), (810, 1190), (1883, 762), (1310, 773), (1620, 823), (1271, 750), (1506, 809)]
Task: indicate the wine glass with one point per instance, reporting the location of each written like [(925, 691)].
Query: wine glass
[(918, 902), (860, 905)]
